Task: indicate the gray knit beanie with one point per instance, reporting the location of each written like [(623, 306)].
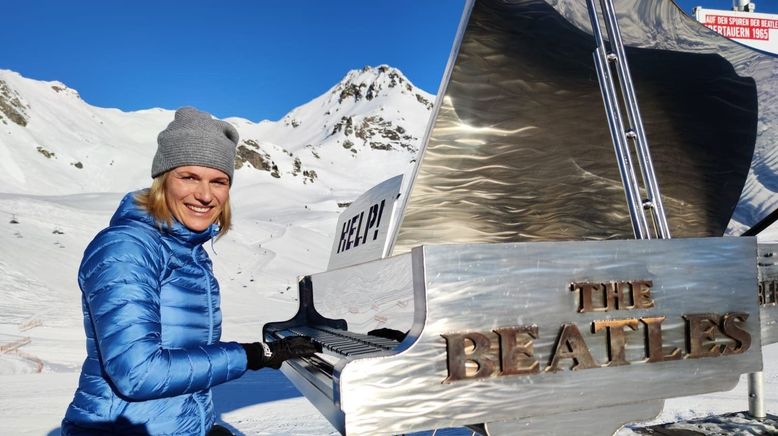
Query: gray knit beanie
[(195, 138)]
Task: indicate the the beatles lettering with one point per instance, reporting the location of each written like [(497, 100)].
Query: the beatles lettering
[(508, 351)]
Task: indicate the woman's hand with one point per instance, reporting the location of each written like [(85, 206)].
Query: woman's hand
[(273, 354)]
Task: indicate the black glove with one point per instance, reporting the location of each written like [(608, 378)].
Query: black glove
[(386, 333), (273, 354)]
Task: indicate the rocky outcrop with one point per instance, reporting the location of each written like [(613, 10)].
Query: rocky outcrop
[(11, 106), (48, 154), (309, 176), (250, 152), (375, 132)]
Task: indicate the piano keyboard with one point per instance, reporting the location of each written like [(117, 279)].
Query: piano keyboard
[(340, 342)]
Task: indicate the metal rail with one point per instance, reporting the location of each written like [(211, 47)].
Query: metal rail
[(633, 132)]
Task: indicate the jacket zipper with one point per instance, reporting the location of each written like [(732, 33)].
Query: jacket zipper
[(208, 295), (210, 331)]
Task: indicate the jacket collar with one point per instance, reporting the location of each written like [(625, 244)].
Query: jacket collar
[(128, 210)]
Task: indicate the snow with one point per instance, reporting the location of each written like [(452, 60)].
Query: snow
[(283, 227)]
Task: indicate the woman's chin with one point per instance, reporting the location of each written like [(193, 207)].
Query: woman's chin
[(197, 224)]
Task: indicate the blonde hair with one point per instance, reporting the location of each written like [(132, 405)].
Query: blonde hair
[(153, 201)]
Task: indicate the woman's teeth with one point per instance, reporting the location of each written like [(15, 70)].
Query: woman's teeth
[(198, 209)]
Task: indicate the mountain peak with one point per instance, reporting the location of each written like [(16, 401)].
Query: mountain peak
[(369, 74), (370, 82)]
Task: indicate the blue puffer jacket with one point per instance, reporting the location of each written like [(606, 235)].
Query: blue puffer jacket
[(152, 322)]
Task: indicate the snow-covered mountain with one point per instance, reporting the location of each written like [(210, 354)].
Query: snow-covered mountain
[(65, 164), (54, 143)]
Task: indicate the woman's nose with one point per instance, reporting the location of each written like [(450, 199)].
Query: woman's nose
[(203, 193)]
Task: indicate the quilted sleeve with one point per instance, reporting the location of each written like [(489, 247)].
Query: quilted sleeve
[(119, 277)]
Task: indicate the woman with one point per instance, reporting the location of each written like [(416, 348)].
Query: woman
[(151, 302)]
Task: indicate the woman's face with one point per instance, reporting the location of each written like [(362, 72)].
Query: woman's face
[(196, 195)]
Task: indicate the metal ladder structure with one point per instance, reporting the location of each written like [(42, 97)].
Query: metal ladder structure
[(626, 130)]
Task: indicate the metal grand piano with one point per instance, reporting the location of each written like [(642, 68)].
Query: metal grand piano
[(507, 261)]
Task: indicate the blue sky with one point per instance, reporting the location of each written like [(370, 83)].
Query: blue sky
[(255, 59)]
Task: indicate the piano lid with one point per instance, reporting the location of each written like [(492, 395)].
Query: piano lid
[(519, 149)]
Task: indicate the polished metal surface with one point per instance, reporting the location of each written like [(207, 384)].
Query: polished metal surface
[(480, 288), (371, 296), (519, 149)]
